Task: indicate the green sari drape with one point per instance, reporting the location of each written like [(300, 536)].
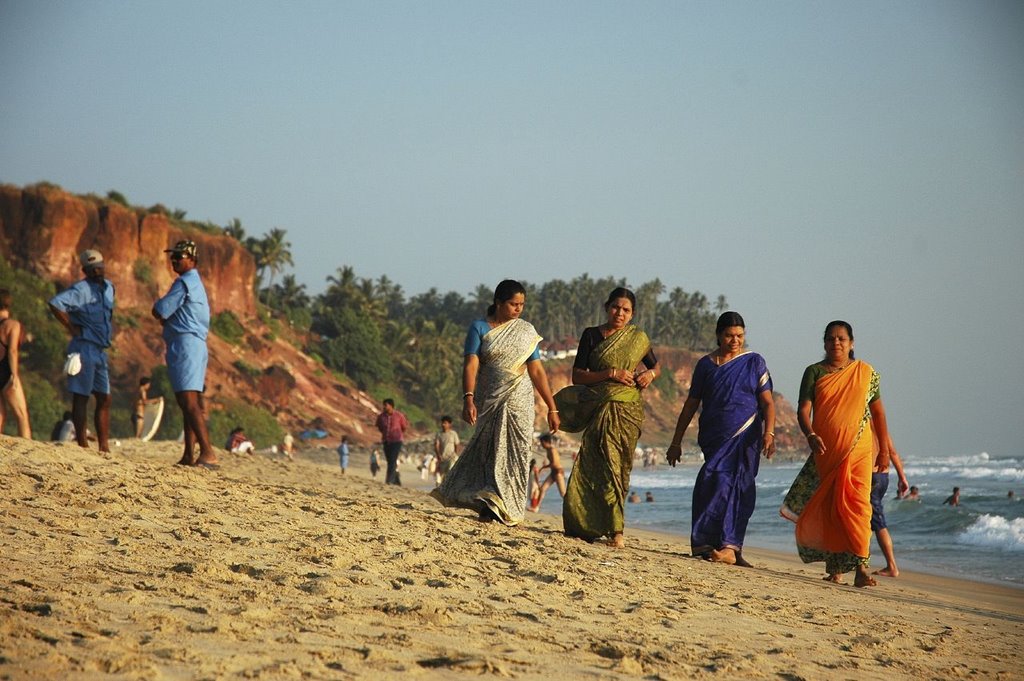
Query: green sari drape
[(610, 415)]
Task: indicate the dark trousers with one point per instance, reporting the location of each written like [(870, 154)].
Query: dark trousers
[(391, 452)]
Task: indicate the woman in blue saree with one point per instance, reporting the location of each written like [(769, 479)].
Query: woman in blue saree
[(737, 423), (613, 364), (501, 368)]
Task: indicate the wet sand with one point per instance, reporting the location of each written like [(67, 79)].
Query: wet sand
[(126, 566)]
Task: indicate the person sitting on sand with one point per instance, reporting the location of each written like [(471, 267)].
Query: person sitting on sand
[(63, 430), (954, 498), (239, 442), (555, 476)]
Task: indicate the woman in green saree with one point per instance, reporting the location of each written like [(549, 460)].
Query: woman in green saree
[(604, 403)]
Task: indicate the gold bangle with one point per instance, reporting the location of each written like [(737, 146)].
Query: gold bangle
[(552, 411), (770, 433)]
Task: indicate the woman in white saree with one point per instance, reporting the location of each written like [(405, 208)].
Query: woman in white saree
[(491, 476)]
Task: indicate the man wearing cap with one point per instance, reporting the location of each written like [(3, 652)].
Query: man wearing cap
[(86, 309), (185, 315)]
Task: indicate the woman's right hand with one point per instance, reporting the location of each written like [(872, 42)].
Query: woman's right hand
[(622, 376), (469, 411), (816, 443), (674, 454)]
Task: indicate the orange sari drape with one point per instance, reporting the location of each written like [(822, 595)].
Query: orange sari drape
[(835, 525)]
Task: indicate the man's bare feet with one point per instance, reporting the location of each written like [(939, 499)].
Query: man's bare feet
[(741, 561), (726, 555), (617, 541), (888, 572), (185, 460)]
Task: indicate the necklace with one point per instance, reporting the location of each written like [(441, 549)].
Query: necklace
[(833, 369)]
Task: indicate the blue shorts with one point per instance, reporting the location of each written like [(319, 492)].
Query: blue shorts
[(186, 363), (879, 486), (95, 374)]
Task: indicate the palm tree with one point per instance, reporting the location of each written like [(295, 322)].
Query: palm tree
[(275, 253), (235, 230)]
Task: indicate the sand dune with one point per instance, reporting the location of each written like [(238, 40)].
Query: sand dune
[(131, 567)]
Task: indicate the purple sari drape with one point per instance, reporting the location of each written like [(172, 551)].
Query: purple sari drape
[(731, 429)]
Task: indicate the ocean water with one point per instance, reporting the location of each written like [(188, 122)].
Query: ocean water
[(982, 539)]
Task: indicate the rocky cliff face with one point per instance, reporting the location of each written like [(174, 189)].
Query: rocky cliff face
[(43, 229)]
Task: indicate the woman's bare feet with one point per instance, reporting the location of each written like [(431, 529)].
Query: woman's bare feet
[(863, 579), (726, 555), (835, 579), (617, 541), (888, 572)]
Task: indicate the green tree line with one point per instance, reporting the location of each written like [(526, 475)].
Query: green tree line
[(371, 331)]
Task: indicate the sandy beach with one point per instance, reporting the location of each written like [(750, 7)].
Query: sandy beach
[(126, 566)]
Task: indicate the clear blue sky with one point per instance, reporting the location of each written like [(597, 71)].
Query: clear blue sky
[(809, 160)]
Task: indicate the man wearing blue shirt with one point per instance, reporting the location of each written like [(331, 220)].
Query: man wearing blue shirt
[(185, 315), (86, 309)]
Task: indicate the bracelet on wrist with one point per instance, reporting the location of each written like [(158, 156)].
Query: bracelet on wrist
[(770, 434), (465, 395)]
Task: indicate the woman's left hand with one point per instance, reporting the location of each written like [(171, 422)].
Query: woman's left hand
[(553, 421), (644, 378), (768, 445)]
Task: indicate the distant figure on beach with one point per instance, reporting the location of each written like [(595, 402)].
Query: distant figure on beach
[(1009, 495), (86, 310), (830, 500), (392, 425), (239, 443), (374, 462), (12, 395), (446, 449), (288, 445), (605, 403), (879, 486), (736, 425), (954, 498), (913, 494), (343, 454), (142, 399), (556, 474), (501, 368), (649, 498), (184, 313), (63, 430), (633, 498)]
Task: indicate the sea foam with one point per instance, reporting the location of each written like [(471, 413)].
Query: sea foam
[(995, 531)]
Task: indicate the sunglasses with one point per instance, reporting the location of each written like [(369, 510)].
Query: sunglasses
[(178, 256)]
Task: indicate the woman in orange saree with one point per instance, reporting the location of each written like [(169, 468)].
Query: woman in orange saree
[(830, 500)]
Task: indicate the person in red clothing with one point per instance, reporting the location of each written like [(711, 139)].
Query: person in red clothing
[(392, 425)]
